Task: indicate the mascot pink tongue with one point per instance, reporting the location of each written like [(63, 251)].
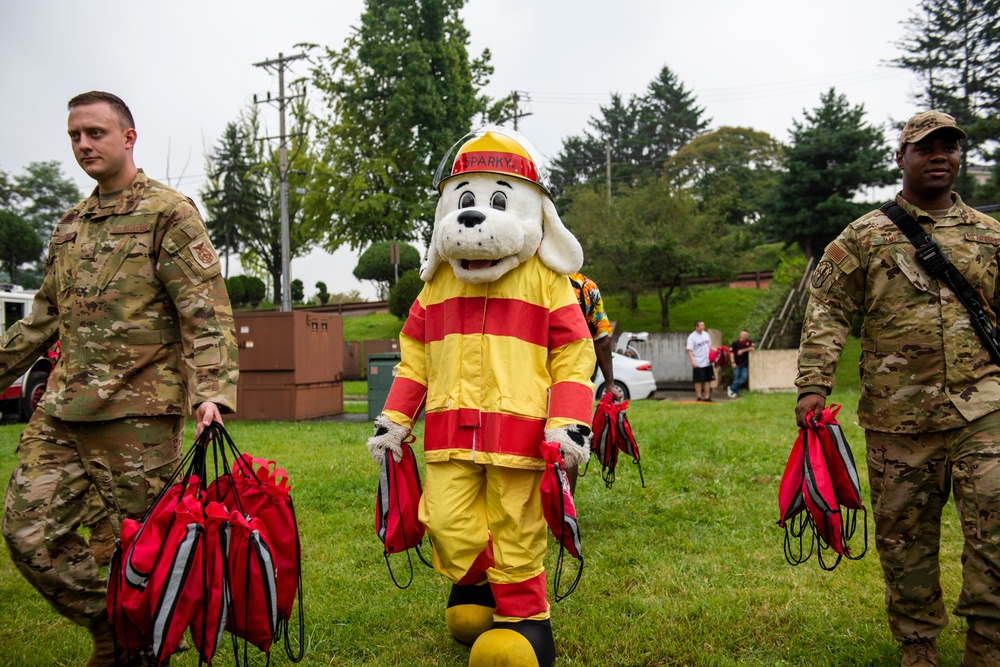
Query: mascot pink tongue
[(496, 349)]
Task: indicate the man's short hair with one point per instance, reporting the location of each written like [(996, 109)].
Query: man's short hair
[(125, 120)]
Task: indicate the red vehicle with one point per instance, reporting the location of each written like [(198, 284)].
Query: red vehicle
[(22, 397)]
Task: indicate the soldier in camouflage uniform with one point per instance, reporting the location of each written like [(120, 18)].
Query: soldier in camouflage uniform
[(929, 391), (132, 289)]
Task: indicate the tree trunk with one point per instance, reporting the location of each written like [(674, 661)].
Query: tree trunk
[(664, 309)]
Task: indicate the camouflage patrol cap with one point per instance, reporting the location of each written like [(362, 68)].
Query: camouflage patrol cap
[(924, 123)]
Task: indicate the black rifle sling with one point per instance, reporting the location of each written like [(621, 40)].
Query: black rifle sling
[(930, 255)]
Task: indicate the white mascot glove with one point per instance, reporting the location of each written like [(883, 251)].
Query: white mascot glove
[(574, 443), (388, 437)]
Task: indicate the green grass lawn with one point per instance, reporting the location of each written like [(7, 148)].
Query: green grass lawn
[(685, 572)]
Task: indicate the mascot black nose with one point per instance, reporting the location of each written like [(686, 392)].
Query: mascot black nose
[(471, 218)]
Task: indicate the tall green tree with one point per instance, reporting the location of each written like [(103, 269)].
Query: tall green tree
[(232, 196), (399, 94), (954, 47), (637, 136), (19, 243), (44, 194), (728, 171), (7, 195), (834, 156), (250, 210), (660, 241)]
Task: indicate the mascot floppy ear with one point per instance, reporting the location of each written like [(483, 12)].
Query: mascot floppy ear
[(559, 249), (433, 256)]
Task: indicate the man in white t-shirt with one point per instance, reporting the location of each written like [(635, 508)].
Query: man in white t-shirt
[(699, 344)]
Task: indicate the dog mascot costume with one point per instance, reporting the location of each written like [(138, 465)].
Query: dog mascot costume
[(496, 348)]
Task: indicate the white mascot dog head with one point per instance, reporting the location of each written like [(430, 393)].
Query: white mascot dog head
[(494, 214)]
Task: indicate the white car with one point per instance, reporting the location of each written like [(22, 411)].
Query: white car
[(633, 376)]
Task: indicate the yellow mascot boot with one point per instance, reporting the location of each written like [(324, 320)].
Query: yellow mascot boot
[(520, 644), (470, 612)]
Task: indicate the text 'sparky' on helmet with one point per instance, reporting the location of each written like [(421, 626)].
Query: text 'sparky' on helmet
[(493, 150)]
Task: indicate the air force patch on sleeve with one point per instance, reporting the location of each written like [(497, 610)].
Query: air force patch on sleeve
[(822, 273), (203, 253)]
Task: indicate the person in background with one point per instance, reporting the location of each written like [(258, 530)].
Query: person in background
[(741, 362), (132, 289), (930, 391), (589, 296), (699, 345)]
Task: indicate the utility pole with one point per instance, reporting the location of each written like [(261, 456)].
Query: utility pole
[(515, 97), (607, 157), (280, 64)]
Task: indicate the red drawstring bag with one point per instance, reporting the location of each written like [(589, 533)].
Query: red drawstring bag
[(840, 459), (209, 619), (560, 514), (719, 356), (821, 500), (626, 439), (604, 444), (252, 584), (262, 490), (612, 433), (396, 521), (133, 630), (557, 501), (820, 478), (791, 504), (176, 584)]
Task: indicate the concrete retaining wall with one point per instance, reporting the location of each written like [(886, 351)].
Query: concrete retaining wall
[(770, 370)]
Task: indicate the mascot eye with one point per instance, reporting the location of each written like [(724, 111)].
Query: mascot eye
[(499, 201), (467, 200)]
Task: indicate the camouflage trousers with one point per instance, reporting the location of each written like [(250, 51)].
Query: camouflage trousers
[(911, 476), (128, 461)]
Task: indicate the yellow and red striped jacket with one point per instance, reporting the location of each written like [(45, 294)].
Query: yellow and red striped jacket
[(496, 364)]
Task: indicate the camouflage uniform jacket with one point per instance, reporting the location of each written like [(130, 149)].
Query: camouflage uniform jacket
[(923, 368), (134, 294)]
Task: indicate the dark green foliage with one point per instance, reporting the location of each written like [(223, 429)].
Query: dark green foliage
[(648, 239), (834, 155), (43, 195), (236, 287), (375, 264), (404, 293), (953, 46), (400, 93), (298, 291), (728, 171), (255, 290), (641, 133), (19, 243), (321, 294), (233, 198), (243, 193), (37, 197)]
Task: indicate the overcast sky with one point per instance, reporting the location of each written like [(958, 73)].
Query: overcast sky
[(186, 69)]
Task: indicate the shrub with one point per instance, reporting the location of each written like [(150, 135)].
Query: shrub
[(255, 290), (404, 293), (237, 290)]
